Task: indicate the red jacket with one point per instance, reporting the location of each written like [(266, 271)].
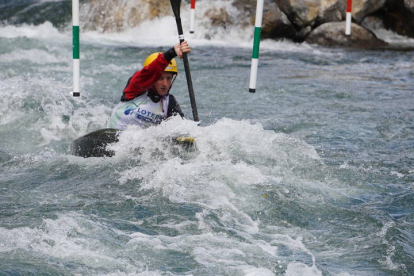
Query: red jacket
[(145, 78)]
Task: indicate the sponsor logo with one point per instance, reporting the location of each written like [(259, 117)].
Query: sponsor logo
[(144, 115)]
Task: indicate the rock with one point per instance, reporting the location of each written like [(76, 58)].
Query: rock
[(275, 24), (409, 4), (292, 19), (115, 16), (219, 17), (332, 11), (301, 13), (398, 17), (372, 23), (362, 8), (249, 6), (333, 34)]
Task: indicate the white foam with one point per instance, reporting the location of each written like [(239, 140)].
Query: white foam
[(45, 30), (300, 269), (209, 250), (388, 261), (255, 271), (218, 178), (214, 170), (32, 55), (157, 32), (71, 238), (394, 38)]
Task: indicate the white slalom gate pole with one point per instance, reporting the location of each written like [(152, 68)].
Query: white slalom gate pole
[(192, 16), (256, 46), (348, 18), (75, 36)]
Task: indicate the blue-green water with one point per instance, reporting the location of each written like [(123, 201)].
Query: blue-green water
[(312, 175)]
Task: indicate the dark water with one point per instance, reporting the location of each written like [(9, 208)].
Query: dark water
[(311, 175), (36, 12)]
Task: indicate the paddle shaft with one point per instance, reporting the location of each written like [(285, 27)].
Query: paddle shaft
[(176, 9)]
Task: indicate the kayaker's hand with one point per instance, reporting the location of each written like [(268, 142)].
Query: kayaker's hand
[(182, 48)]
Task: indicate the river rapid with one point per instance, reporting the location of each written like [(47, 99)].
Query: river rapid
[(311, 175)]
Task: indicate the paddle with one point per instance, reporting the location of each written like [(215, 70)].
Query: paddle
[(175, 4)]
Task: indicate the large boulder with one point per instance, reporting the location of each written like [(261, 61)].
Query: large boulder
[(113, 16), (275, 23), (409, 4), (362, 8), (332, 11), (306, 15), (301, 13), (219, 17), (333, 34), (373, 23), (398, 16)]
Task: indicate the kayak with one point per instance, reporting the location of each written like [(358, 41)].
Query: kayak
[(94, 144)]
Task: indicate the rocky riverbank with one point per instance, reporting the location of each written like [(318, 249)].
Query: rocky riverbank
[(323, 21), (313, 21)]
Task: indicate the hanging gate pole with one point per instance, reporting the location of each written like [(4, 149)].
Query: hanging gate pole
[(348, 18), (192, 16), (76, 51), (256, 46)]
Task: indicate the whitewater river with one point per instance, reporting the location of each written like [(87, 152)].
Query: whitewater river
[(311, 175)]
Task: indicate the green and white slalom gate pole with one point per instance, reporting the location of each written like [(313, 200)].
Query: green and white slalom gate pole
[(256, 46), (75, 35), (348, 18)]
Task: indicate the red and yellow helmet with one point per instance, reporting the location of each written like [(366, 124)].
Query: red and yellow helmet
[(172, 66)]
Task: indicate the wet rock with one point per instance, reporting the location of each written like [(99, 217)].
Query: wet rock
[(362, 8), (301, 13), (372, 23), (332, 11), (114, 16), (219, 17), (333, 34), (249, 6), (409, 4), (292, 19), (275, 24), (399, 17)]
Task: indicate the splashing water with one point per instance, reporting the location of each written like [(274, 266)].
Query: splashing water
[(312, 175)]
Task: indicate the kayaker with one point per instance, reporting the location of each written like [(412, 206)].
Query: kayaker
[(146, 99)]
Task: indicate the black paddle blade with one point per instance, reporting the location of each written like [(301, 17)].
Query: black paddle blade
[(176, 4)]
